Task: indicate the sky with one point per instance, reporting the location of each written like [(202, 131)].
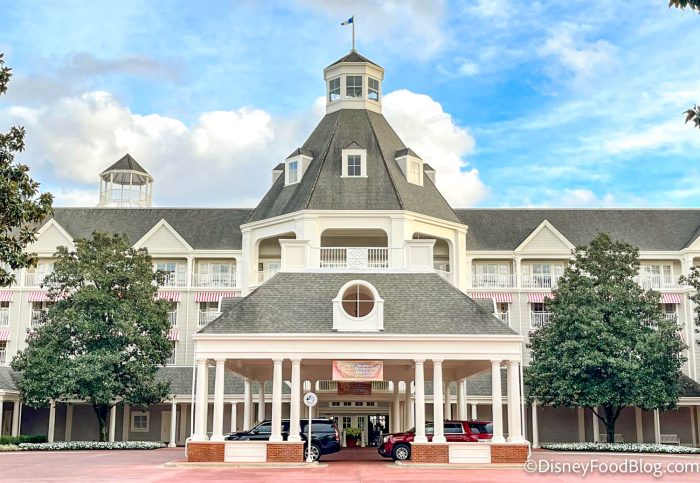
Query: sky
[(516, 104)]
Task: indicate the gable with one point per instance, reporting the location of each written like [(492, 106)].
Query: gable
[(50, 237), (545, 238), (695, 243), (162, 238)]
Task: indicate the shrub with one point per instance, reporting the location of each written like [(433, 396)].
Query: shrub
[(25, 438), (80, 445), (8, 447), (622, 448)]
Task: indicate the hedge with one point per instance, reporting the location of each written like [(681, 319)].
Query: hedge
[(25, 438), (622, 448), (80, 445)]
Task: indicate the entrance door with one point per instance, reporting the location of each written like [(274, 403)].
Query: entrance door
[(6, 421), (165, 426), (378, 425)]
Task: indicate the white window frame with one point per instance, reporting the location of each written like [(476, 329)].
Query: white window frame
[(346, 153), (371, 90), (415, 174), (173, 356), (292, 175), (332, 90), (354, 87), (147, 414)]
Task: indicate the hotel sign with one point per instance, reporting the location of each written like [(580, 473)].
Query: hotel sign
[(354, 388), (351, 371)]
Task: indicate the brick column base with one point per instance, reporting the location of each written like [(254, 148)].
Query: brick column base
[(508, 453), (205, 452), (285, 452), (430, 453)]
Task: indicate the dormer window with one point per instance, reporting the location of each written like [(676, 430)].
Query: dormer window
[(293, 172), (353, 86), (358, 308), (372, 89), (295, 166), (334, 89), (414, 172), (354, 161), (354, 165), (411, 165)]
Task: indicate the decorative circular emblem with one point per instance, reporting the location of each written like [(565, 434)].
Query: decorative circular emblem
[(310, 399), (357, 258)]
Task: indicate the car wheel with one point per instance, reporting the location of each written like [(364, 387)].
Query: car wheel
[(315, 453), (401, 452)]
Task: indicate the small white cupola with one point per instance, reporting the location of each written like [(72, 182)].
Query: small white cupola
[(358, 308), (295, 166), (411, 164), (353, 82), (125, 184)]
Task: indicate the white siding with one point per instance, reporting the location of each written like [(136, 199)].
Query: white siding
[(164, 241), (48, 241), (545, 241)]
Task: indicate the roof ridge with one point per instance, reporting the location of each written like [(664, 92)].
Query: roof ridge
[(386, 165), (322, 161)]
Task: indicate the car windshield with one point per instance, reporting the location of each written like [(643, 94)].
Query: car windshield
[(481, 428)]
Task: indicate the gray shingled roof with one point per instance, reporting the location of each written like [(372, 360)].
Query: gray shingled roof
[(180, 378), (648, 229), (414, 303), (407, 152), (127, 162), (323, 188), (8, 379), (202, 228), (353, 56)]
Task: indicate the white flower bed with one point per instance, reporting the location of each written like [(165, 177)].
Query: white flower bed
[(75, 445), (623, 448)]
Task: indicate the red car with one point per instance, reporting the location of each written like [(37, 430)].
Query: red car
[(398, 445)]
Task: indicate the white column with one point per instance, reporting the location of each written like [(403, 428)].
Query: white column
[(276, 400), (596, 427), (461, 400), (581, 416), (52, 420), (200, 428), (420, 402), (395, 409), (234, 417), (261, 401), (447, 413), (15, 417), (2, 412), (409, 406), (496, 402), (694, 434), (515, 430), (247, 404), (112, 423), (638, 424), (657, 427), (218, 422), (438, 417), (295, 402), (173, 424), (126, 422), (69, 423), (535, 427), (475, 411)]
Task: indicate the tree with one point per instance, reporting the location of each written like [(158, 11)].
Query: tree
[(694, 113), (693, 280), (22, 206), (105, 336), (607, 345)]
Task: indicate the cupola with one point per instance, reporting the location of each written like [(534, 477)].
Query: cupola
[(126, 184), (353, 82)]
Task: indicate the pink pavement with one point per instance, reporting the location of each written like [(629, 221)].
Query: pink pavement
[(148, 466)]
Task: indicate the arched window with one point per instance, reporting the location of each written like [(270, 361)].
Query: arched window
[(358, 301)]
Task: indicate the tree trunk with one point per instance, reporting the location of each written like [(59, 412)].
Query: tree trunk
[(610, 419), (101, 412)]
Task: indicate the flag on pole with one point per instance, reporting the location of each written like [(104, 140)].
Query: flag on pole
[(349, 21)]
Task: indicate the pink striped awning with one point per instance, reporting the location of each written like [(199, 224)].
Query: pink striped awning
[(6, 296), (499, 298), (538, 298), (213, 296), (670, 298), (4, 335), (171, 296), (38, 297), (174, 334)]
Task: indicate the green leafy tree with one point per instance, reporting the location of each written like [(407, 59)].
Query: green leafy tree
[(105, 336), (693, 280), (607, 345), (22, 207), (692, 114)]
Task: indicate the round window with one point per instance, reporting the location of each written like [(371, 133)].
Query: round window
[(358, 301)]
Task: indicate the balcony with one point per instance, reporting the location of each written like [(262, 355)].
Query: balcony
[(539, 319), (206, 317), (214, 280), (657, 282), (332, 386), (539, 281), (262, 276), (34, 279), (174, 280), (373, 258), (671, 316), (3, 357), (4, 317), (172, 318), (171, 359), (37, 318), (493, 280), (503, 316)]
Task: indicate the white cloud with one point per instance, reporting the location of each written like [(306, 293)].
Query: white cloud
[(426, 128), (672, 134)]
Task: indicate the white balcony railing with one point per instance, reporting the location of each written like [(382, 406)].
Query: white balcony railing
[(671, 316), (539, 281), (493, 280), (539, 319), (36, 318), (171, 359), (217, 280), (3, 357), (355, 257), (657, 282), (175, 280), (503, 316), (4, 317), (172, 318), (262, 276), (206, 317), (34, 279)]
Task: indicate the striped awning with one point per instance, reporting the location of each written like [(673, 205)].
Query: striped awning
[(6, 296), (174, 334), (171, 296), (670, 298), (4, 335), (38, 297), (499, 298), (538, 298), (213, 296)]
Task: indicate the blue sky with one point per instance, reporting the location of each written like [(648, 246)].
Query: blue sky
[(543, 103)]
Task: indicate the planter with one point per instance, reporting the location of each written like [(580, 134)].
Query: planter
[(351, 441)]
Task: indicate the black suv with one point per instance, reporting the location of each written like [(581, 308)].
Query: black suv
[(325, 438)]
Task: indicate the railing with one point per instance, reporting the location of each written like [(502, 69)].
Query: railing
[(206, 317), (34, 279), (503, 316), (332, 386), (355, 257), (4, 317), (493, 280), (539, 319), (262, 276), (214, 280), (37, 318), (175, 280), (172, 318), (657, 282), (171, 359), (539, 281), (671, 316), (3, 356)]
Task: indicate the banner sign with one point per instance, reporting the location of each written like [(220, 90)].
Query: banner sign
[(354, 389), (358, 371)]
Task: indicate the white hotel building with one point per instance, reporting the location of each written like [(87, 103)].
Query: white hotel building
[(353, 254)]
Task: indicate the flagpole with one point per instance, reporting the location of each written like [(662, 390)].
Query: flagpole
[(353, 32)]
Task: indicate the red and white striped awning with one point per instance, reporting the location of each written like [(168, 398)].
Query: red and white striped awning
[(213, 296), (6, 296), (538, 298), (38, 297), (670, 298), (4, 335), (499, 298), (171, 296), (174, 334)]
